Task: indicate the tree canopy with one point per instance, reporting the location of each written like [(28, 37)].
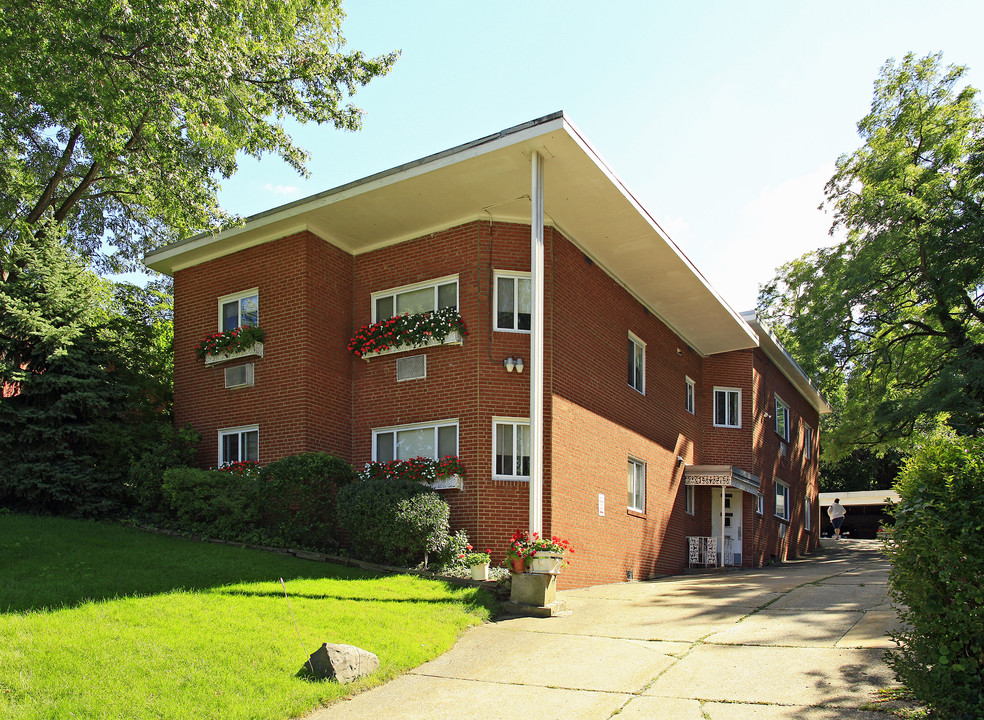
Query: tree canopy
[(118, 118), (890, 320)]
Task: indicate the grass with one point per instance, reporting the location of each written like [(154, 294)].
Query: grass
[(102, 621)]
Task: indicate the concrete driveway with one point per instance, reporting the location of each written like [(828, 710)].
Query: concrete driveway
[(802, 640)]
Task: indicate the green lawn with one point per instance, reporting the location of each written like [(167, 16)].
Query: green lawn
[(101, 621)]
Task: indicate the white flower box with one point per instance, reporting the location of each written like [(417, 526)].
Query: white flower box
[(448, 482), (256, 349), (453, 338)]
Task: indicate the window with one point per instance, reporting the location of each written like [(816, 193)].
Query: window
[(637, 485), (690, 500), (433, 440), (782, 500), (511, 449), (807, 442), (760, 504), (239, 444), (239, 309), (513, 302), (420, 298), (637, 364), (727, 407), (807, 507), (689, 402), (782, 419)]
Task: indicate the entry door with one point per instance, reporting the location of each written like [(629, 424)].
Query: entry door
[(732, 519)]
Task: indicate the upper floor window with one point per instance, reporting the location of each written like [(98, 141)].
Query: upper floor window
[(782, 419), (239, 444), (760, 504), (637, 364), (414, 299), (807, 441), (637, 485), (727, 407), (403, 442), (782, 500), (691, 391), (239, 309), (511, 449), (513, 302)]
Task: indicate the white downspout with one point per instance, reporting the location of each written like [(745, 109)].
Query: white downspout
[(536, 345)]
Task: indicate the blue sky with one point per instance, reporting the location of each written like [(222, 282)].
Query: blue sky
[(723, 118)]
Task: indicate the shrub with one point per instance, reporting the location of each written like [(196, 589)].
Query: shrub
[(450, 554), (937, 566), (219, 503), (393, 521), (175, 448), (297, 498)]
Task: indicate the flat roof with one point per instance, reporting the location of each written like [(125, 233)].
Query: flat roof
[(860, 497)]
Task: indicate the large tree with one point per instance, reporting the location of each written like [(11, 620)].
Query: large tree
[(118, 118), (890, 320)]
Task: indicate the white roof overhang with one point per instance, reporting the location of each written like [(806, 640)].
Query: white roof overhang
[(784, 361), (490, 179)]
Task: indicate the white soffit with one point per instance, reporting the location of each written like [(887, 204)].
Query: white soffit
[(490, 179)]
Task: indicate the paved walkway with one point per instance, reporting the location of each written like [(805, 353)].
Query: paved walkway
[(802, 640)]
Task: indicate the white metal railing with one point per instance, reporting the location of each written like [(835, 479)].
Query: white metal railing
[(704, 551)]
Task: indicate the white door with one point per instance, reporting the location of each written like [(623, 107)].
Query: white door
[(732, 521)]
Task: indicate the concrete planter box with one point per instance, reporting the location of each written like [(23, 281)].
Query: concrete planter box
[(547, 563)]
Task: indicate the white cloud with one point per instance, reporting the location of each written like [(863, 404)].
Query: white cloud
[(281, 189)]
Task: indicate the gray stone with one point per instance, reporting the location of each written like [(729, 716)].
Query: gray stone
[(537, 590), (344, 663)]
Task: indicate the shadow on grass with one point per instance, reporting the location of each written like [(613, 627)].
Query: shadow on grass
[(50, 563)]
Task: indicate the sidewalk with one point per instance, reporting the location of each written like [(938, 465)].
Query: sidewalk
[(802, 640)]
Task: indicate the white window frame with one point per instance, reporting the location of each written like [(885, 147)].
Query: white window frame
[(783, 418), (807, 513), (435, 283), (239, 296), (759, 504), (516, 423), (394, 429), (807, 442), (727, 390), (241, 431), (785, 515), (691, 398), (637, 342), (635, 466), (516, 277), (689, 500)]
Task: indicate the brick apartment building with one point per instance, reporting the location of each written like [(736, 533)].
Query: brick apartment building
[(659, 402)]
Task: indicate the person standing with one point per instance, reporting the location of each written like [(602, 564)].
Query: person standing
[(836, 512)]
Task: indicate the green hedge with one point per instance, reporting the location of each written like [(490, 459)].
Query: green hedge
[(297, 498), (937, 576), (220, 504), (393, 521)]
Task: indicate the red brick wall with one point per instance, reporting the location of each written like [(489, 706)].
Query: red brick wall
[(310, 394), (301, 397), (599, 421)]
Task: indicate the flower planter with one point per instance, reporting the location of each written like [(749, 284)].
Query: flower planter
[(517, 565), (448, 482), (547, 563), (453, 338), (479, 572), (256, 349)]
